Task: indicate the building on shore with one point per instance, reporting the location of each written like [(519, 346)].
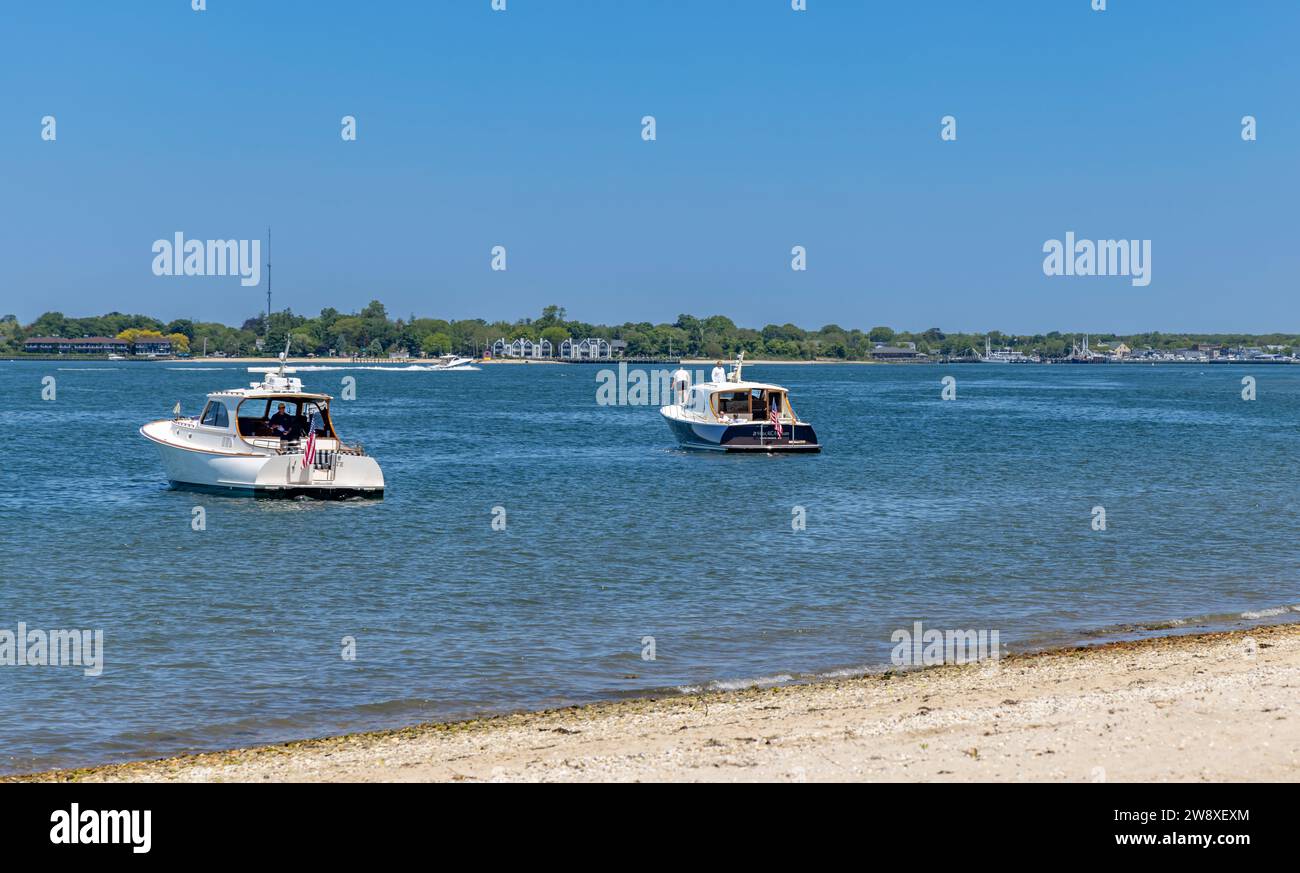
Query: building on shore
[(522, 348), (902, 352), (588, 349), (151, 347), (86, 345)]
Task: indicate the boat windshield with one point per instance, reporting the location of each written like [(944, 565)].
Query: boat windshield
[(214, 415), (287, 418)]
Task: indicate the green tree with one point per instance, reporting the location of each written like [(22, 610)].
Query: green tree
[(436, 344), (552, 316), (374, 309), (556, 335), (181, 325)]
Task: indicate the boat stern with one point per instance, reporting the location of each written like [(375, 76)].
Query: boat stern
[(333, 474)]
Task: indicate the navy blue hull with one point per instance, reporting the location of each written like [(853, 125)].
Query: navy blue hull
[(317, 493), (749, 437)]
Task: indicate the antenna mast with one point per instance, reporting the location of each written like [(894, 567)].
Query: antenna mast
[(268, 275)]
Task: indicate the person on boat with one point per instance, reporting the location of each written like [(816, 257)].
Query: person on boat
[(719, 374), (681, 380), (282, 421)]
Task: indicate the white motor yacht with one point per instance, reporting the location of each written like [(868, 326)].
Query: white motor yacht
[(271, 439)]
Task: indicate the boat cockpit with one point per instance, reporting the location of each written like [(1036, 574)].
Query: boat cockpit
[(740, 403), (271, 421), (286, 418), (751, 404)]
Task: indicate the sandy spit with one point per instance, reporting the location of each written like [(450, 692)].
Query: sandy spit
[(1207, 707)]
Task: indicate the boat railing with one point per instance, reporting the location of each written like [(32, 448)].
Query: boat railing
[(297, 447)]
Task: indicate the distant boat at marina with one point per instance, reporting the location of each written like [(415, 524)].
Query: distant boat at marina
[(732, 415), (1006, 356), (238, 446), (1082, 354)]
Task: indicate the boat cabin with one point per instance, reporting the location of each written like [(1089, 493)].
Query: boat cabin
[(269, 419), (738, 402), (284, 416)]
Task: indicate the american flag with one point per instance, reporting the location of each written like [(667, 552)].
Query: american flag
[(774, 415), (309, 452)]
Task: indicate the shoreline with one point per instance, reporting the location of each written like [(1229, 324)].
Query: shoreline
[(1208, 706), (685, 362)]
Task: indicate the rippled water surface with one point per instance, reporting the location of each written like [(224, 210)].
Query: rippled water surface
[(974, 513)]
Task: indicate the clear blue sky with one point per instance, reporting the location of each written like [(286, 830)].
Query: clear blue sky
[(776, 128)]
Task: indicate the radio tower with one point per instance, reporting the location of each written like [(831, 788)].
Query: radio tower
[(268, 275)]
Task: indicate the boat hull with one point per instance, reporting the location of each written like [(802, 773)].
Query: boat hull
[(749, 437), (315, 492)]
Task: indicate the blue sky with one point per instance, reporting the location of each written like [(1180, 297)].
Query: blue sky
[(775, 128)]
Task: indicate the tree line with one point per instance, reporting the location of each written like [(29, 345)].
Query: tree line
[(373, 332)]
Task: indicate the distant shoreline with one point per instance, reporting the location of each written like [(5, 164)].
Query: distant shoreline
[(1209, 706), (692, 362)]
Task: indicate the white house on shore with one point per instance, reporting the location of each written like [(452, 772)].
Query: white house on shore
[(522, 348), (589, 349)]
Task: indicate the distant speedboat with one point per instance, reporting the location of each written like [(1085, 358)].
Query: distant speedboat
[(452, 362), (238, 446), (736, 416)]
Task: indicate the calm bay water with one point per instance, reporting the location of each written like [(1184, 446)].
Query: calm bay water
[(974, 513)]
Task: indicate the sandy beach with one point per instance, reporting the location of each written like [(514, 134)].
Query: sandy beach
[(1207, 707)]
